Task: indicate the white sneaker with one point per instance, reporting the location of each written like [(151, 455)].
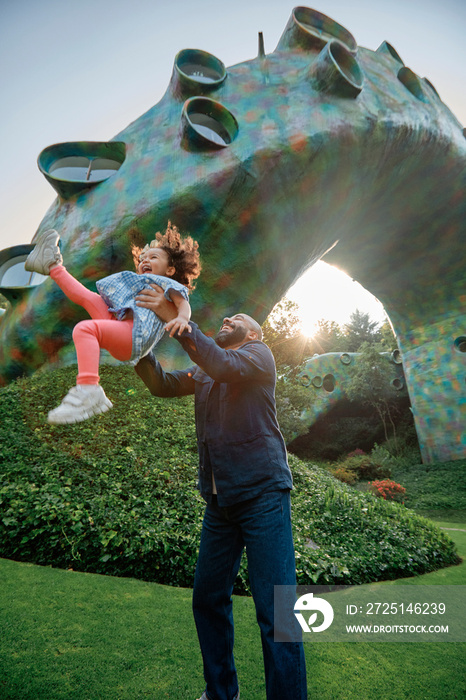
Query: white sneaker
[(45, 253), (80, 403)]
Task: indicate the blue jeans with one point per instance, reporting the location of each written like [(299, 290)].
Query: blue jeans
[(263, 526)]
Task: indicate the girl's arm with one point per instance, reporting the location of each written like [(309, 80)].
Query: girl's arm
[(181, 321)]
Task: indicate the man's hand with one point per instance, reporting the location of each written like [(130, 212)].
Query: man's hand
[(154, 299)]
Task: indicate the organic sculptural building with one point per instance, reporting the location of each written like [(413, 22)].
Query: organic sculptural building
[(318, 149), (328, 377)]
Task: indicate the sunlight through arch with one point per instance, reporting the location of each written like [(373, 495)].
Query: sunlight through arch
[(325, 292)]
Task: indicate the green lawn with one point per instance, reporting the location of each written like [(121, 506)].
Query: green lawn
[(89, 637)]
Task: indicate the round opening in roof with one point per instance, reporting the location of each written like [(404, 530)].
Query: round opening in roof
[(329, 383), (346, 63), (432, 87), (460, 344), (72, 167), (200, 67), (387, 48), (322, 28), (12, 272), (305, 379), (81, 169), (397, 383), (411, 83), (14, 279), (208, 123), (336, 70)]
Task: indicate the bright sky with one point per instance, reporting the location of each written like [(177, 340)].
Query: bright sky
[(72, 71)]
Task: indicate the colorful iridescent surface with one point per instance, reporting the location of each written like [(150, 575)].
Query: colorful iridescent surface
[(318, 149), (328, 377)]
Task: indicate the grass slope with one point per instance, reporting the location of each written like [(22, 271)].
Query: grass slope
[(116, 495), (439, 487), (89, 637)]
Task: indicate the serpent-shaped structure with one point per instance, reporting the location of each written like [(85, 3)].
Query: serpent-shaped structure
[(328, 377), (320, 148)]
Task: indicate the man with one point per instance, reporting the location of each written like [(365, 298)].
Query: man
[(245, 480)]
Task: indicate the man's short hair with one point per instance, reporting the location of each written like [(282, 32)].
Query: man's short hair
[(253, 325)]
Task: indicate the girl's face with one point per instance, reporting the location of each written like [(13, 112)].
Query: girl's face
[(155, 261)]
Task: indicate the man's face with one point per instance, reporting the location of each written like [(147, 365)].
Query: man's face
[(233, 332)]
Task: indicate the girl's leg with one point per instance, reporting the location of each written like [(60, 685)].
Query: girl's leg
[(87, 398), (104, 331), (79, 294), (90, 336)]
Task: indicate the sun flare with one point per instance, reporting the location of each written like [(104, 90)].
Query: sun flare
[(325, 292)]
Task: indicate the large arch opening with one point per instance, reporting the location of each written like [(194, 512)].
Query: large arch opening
[(326, 292)]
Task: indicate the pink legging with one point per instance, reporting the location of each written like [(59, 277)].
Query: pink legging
[(104, 331)]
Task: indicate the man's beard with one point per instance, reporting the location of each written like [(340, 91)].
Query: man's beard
[(225, 339)]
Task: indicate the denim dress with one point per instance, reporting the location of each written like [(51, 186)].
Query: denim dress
[(119, 291)]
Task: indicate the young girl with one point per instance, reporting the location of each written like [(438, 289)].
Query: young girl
[(118, 325)]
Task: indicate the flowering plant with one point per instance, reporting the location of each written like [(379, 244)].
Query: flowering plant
[(356, 453), (388, 490)]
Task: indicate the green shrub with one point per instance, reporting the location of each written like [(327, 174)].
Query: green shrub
[(359, 538), (382, 456), (365, 467), (116, 495), (433, 486), (405, 447), (347, 476)]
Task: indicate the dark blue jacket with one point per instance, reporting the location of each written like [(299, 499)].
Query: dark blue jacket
[(238, 437)]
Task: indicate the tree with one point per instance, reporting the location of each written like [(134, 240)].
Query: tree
[(282, 333), (387, 337), (370, 384), (3, 302), (328, 338), (361, 330)]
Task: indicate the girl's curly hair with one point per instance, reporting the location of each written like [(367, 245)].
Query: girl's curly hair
[(183, 254)]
